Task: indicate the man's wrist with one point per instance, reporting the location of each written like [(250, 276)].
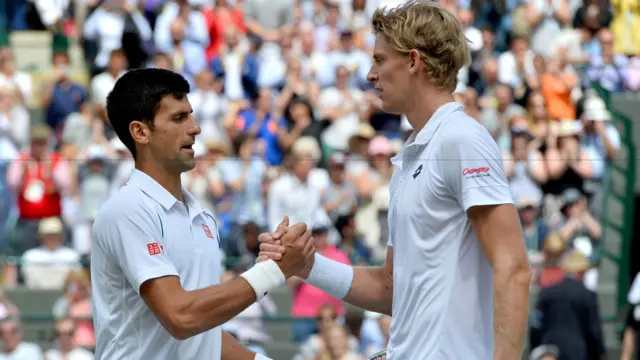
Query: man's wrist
[(332, 277)]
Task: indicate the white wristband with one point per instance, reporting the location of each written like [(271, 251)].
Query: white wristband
[(261, 357), (264, 277), (330, 276)]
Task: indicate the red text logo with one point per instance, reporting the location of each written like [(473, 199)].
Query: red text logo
[(155, 249), (207, 231), (475, 171)]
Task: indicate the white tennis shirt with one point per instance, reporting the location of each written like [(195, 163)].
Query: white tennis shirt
[(143, 232), (442, 281)]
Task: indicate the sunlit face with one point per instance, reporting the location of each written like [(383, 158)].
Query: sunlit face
[(389, 76), (169, 142)]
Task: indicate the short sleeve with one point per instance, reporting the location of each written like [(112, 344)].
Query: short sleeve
[(134, 238), (473, 167)]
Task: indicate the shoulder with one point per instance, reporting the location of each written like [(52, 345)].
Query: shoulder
[(129, 202), (462, 130)]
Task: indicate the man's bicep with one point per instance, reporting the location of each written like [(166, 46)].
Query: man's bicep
[(497, 227), (160, 295)]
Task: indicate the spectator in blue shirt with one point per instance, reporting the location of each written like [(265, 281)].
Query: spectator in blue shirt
[(61, 96)]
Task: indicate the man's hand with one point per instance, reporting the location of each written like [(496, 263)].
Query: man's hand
[(272, 247), (297, 240), (275, 239)]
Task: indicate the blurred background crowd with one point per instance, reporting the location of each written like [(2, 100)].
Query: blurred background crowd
[(290, 126)]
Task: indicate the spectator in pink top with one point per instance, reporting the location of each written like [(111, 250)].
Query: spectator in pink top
[(308, 300)]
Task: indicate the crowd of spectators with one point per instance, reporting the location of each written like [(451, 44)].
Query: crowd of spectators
[(290, 126)]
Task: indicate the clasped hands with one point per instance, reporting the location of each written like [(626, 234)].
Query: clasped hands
[(291, 247)]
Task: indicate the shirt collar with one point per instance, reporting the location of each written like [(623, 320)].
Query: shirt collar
[(152, 188)]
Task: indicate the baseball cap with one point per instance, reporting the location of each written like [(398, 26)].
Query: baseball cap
[(96, 152), (526, 201), (320, 222), (40, 132), (379, 145), (50, 226), (337, 159), (596, 110)]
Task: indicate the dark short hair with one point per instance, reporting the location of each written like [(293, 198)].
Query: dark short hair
[(136, 96)]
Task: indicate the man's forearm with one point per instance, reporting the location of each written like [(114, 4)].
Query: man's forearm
[(371, 289), (233, 350), (511, 312), (207, 308)]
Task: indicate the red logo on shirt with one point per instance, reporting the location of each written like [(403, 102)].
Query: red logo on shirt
[(155, 249), (207, 231), (476, 171)]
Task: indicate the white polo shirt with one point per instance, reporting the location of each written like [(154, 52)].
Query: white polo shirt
[(142, 233), (442, 281)]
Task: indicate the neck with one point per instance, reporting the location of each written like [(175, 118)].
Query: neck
[(422, 111), (65, 350), (171, 182), (114, 72)]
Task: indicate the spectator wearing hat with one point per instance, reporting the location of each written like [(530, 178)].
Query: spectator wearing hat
[(553, 250), (577, 220), (379, 169), (535, 231), (567, 314), (601, 140), (94, 188), (359, 151), (47, 266), (340, 198), (39, 178), (307, 299)]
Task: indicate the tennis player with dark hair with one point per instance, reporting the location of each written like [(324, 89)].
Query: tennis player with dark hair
[(156, 262), (456, 275)]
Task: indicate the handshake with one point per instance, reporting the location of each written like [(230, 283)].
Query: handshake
[(291, 247)]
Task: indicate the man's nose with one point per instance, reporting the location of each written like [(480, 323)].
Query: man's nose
[(371, 76), (195, 128)]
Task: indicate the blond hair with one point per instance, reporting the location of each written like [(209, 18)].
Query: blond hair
[(433, 31)]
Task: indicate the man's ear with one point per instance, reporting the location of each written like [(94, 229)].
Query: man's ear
[(140, 132), (414, 61)]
